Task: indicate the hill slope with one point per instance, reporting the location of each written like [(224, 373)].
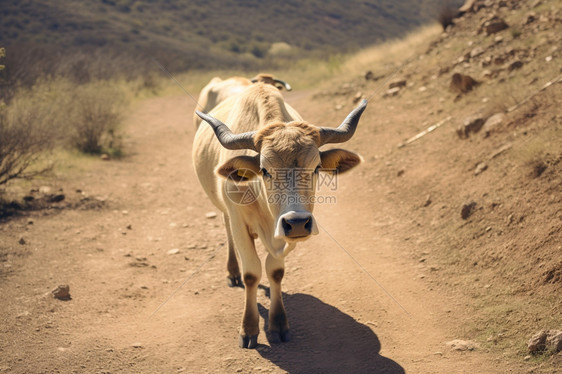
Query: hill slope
[(477, 209), (209, 34)]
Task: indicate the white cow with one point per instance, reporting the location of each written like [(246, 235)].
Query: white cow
[(248, 167)]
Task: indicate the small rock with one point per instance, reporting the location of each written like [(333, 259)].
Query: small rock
[(23, 314), (398, 82), (137, 345), (462, 83), (481, 167), (471, 124), (510, 219), (210, 215), (545, 339), (22, 241), (139, 264), (427, 201), (515, 65), (105, 157), (495, 25), (467, 210), (548, 58), (358, 96), (392, 92), (469, 6), (174, 251), (500, 150), (487, 73), (45, 190), (62, 292), (476, 52), (55, 198), (531, 17), (461, 345), (493, 122)]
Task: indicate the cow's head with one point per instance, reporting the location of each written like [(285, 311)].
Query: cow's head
[(288, 162)]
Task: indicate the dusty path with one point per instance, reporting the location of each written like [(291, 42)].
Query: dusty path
[(137, 307)]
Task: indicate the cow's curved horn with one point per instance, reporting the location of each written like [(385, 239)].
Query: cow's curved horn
[(226, 137), (284, 84), (345, 131)]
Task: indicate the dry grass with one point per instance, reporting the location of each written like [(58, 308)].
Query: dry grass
[(379, 58)]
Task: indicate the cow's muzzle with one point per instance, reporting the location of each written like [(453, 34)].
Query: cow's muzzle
[(296, 225)]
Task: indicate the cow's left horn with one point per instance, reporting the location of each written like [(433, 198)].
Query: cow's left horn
[(345, 131), (284, 84), (226, 137)]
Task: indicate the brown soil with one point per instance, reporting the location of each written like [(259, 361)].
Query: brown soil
[(394, 275)]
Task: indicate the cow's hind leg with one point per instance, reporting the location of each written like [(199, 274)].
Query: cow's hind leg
[(278, 324), (251, 270), (233, 277)]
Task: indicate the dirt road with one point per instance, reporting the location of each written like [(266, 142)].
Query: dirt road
[(145, 267)]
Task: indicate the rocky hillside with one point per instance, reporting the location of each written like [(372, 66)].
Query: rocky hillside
[(468, 146)]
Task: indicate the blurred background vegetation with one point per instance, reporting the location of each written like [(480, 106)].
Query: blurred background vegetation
[(69, 68), (196, 34)]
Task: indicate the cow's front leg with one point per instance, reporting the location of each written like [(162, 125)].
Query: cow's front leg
[(278, 325), (251, 270), (233, 277)]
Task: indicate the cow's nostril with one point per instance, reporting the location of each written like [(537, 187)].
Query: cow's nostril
[(286, 226), (308, 225)]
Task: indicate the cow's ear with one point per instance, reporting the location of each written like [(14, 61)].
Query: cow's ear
[(339, 160), (240, 168)]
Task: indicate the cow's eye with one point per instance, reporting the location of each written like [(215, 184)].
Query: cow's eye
[(317, 170), (265, 173)]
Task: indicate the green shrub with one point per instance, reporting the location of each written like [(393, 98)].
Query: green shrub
[(94, 116)]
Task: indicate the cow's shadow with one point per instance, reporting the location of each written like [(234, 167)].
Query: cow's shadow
[(324, 340)]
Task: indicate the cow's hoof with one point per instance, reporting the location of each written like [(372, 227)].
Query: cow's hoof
[(249, 342), (279, 336), (235, 281)]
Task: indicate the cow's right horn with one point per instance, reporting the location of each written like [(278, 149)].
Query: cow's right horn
[(226, 137), (345, 131)]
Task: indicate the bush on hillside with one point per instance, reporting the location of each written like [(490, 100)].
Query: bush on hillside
[(29, 128), (447, 15), (53, 113), (94, 116)]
